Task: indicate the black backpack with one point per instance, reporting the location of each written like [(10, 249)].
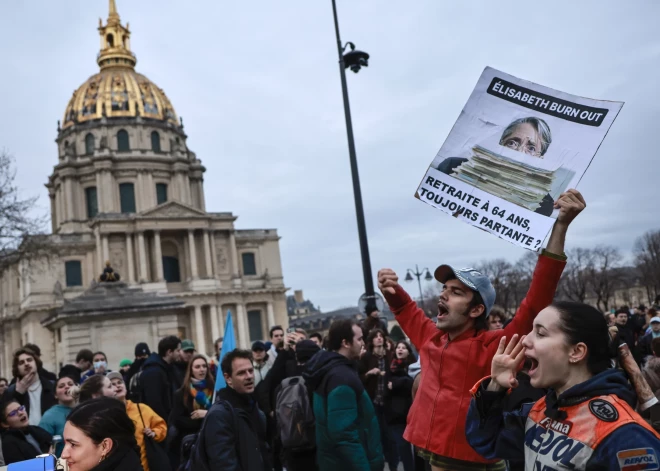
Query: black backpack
[(135, 388)]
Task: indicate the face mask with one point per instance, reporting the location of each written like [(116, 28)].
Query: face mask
[(100, 364)]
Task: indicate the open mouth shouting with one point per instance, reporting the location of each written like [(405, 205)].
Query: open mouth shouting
[(534, 365), (443, 311)]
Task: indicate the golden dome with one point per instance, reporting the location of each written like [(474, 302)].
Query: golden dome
[(117, 91)]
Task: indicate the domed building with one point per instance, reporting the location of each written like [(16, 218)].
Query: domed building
[(127, 191)]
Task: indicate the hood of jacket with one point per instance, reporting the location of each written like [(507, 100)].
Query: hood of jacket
[(155, 361), (610, 381), (321, 364)]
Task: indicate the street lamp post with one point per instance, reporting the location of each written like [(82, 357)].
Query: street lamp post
[(355, 60), (418, 274)]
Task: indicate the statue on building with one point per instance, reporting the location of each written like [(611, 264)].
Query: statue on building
[(109, 275)]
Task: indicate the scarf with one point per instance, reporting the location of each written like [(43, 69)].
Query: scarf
[(201, 394), (397, 365)]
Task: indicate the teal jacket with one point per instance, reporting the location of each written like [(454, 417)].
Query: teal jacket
[(53, 422), (347, 433)]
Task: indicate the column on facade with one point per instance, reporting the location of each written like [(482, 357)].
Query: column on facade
[(207, 255), (221, 320), (70, 208), (193, 254), (199, 329), (234, 253), (143, 257), (150, 190), (106, 250), (59, 199), (53, 212), (243, 334), (129, 255), (215, 325), (159, 257), (99, 251), (139, 192), (214, 254), (270, 312), (100, 203), (202, 203)]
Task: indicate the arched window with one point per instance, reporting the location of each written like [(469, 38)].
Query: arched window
[(92, 202), (89, 143), (155, 141), (171, 269), (123, 144), (111, 40)]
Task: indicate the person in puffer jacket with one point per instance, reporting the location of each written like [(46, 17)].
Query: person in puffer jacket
[(347, 433), (587, 421)]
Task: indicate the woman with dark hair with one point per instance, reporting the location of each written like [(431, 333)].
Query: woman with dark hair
[(373, 367), (399, 399), (96, 386), (587, 419), (100, 436), (20, 440), (192, 401)]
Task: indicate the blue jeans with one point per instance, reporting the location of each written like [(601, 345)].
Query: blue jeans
[(389, 447), (404, 448)]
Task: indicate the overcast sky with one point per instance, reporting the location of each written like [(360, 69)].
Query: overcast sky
[(258, 87)]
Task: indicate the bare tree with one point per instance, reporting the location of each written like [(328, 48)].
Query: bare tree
[(21, 233), (575, 281), (603, 276), (499, 272), (647, 262)]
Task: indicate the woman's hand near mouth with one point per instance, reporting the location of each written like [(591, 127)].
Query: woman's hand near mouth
[(505, 364)]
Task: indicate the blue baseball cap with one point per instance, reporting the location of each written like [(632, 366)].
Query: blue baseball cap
[(472, 278)]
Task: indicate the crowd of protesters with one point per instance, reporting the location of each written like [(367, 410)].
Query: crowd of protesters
[(470, 390)]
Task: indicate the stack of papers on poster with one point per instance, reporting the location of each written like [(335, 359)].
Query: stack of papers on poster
[(510, 179)]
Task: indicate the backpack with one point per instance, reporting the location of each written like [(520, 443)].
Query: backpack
[(295, 418), (191, 459), (135, 390)]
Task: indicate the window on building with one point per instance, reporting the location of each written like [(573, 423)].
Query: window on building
[(73, 272), (123, 143), (171, 271), (92, 202), (89, 143), (155, 141), (249, 265), (161, 193), (111, 40), (254, 325), (127, 197), (59, 335)]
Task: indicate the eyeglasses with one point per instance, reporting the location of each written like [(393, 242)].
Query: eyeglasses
[(16, 411)]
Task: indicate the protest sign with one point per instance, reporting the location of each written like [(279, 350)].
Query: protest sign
[(515, 147)]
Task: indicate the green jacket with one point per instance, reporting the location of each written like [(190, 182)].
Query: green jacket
[(347, 433)]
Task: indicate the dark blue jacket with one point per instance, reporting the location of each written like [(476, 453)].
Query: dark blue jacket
[(159, 384), (600, 429), (233, 436), (347, 433)]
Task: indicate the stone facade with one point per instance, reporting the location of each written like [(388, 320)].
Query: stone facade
[(127, 189)]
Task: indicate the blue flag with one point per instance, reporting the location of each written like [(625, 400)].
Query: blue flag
[(228, 344)]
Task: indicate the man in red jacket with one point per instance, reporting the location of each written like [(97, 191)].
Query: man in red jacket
[(456, 351)]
